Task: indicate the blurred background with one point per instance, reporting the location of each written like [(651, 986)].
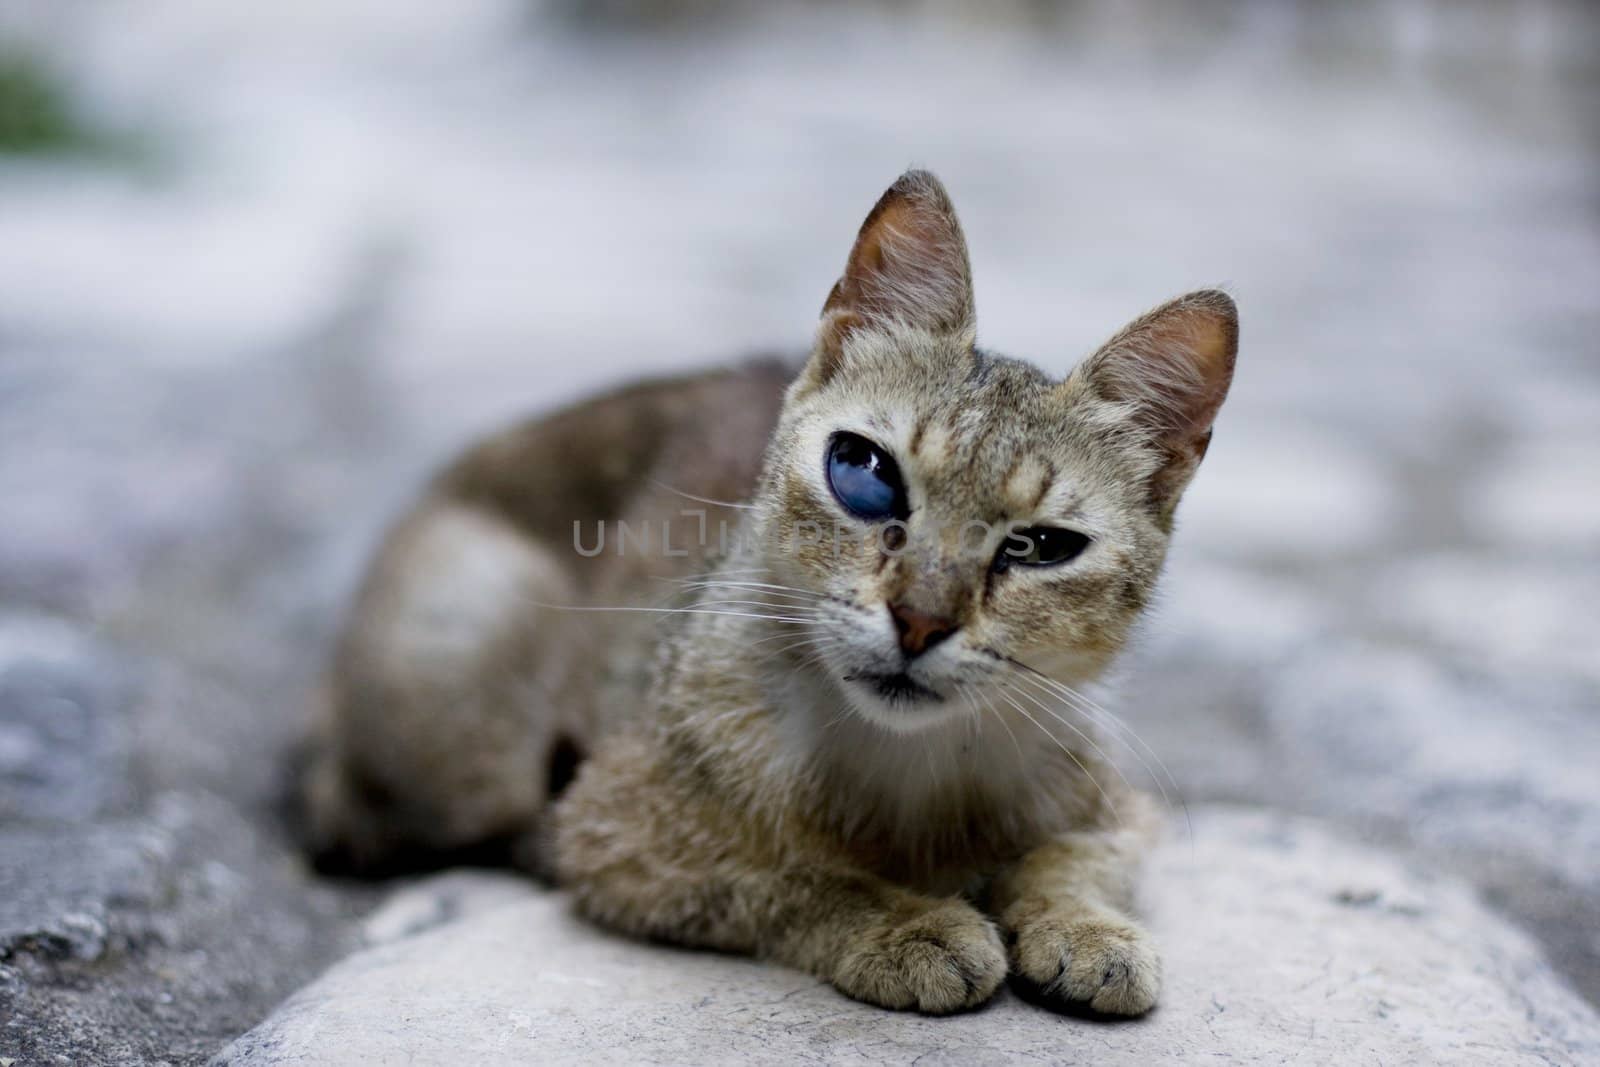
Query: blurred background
[(262, 266)]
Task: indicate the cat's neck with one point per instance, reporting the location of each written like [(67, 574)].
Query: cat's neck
[(938, 806)]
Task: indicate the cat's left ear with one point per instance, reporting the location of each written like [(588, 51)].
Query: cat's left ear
[(908, 269), (1170, 370)]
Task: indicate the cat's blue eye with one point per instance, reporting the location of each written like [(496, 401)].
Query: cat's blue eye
[(865, 479), (1041, 546)]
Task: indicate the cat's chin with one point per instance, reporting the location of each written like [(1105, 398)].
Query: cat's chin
[(897, 702)]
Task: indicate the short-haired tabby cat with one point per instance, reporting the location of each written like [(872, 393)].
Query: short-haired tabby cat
[(863, 754)]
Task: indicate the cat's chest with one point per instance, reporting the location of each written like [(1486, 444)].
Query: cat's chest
[(943, 814)]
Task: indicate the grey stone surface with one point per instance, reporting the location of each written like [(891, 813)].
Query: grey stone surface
[(153, 937), (367, 230), (1281, 942), (64, 718), (1442, 705)]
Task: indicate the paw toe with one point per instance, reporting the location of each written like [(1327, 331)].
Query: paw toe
[(1109, 966), (938, 962)]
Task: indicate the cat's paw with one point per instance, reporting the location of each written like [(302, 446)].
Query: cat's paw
[(1098, 959), (942, 959)]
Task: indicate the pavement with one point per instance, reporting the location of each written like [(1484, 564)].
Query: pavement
[(357, 234)]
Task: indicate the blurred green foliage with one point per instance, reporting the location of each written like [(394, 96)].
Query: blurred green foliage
[(35, 113)]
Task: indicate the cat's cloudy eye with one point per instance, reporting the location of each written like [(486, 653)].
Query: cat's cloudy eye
[(1041, 546), (865, 479)]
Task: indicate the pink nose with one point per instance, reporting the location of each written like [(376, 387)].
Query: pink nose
[(918, 630)]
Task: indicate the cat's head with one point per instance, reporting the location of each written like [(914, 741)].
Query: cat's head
[(957, 512)]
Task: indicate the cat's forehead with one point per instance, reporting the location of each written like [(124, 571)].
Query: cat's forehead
[(967, 409), (984, 430)]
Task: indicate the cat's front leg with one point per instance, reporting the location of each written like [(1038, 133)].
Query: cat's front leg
[(886, 945), (1066, 910), (645, 854)]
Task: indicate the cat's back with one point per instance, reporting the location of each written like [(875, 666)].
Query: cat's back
[(642, 453), (624, 497), (474, 670)]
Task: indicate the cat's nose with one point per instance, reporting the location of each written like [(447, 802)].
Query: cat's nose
[(918, 630)]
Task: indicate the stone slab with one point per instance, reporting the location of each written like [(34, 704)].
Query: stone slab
[(1283, 943)]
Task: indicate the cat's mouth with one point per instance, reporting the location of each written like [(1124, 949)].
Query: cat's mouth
[(896, 689)]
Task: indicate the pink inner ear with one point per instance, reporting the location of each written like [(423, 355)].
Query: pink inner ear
[(1200, 351), (1174, 366), (909, 262)]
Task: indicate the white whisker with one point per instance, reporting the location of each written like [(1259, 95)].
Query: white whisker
[(817, 642), (687, 578), (754, 587), (1073, 756), (664, 611), (988, 702), (724, 603), (1082, 734), (1120, 729), (701, 499)]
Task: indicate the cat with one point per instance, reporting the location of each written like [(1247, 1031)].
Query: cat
[(850, 738)]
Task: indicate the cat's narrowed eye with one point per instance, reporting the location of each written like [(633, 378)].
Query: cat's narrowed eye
[(865, 479), (1041, 546)]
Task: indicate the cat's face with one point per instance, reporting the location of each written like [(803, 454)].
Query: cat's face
[(960, 517)]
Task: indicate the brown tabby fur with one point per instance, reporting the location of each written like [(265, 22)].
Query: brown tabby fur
[(744, 788)]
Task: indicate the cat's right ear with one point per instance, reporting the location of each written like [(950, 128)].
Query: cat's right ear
[(907, 270)]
